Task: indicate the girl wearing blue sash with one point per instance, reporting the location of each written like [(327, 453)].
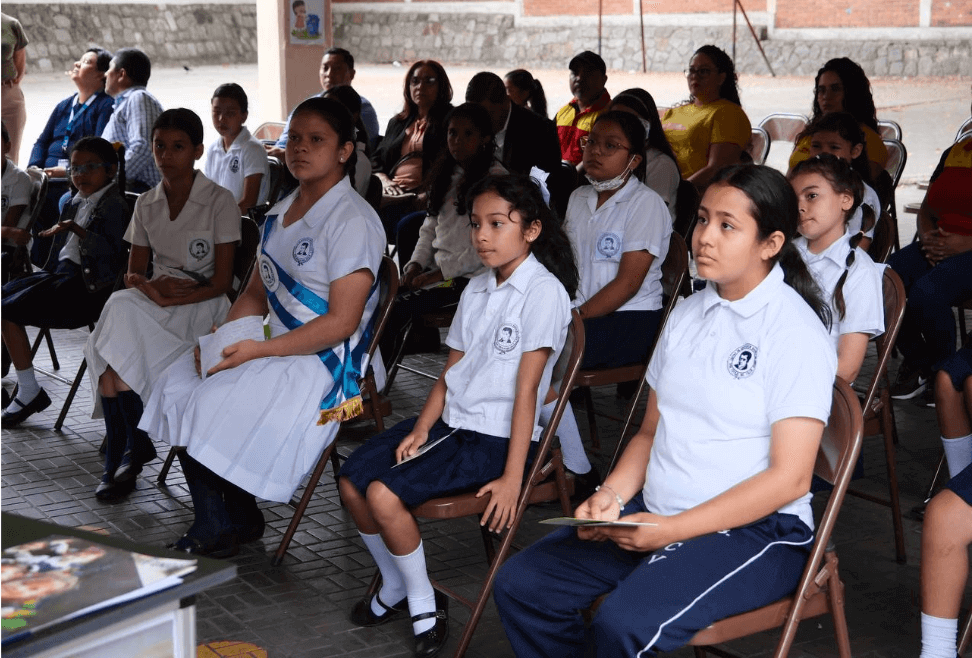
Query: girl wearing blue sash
[(259, 421)]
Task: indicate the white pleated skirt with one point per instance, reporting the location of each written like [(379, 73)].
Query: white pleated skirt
[(140, 339), (254, 425)]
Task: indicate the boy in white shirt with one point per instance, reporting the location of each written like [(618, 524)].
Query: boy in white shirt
[(236, 160), (16, 197)]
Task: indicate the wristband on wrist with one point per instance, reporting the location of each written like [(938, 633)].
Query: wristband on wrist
[(616, 496)]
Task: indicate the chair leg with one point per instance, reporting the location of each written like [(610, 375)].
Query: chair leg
[(591, 419), (50, 348), (304, 501), (887, 429), (934, 482), (488, 544), (70, 396), (164, 473), (836, 598), (392, 369), (37, 342)]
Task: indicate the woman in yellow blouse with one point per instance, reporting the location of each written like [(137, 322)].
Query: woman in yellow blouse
[(711, 130)]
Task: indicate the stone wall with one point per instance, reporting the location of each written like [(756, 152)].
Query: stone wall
[(171, 35), (494, 40)]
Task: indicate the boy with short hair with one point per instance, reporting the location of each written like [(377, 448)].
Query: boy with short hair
[(236, 160), (15, 198)]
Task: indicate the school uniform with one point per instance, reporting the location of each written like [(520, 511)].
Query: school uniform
[(723, 373), (633, 219), (260, 425), (136, 337), (857, 219), (231, 167), (15, 185), (494, 326), (863, 288), (662, 175)]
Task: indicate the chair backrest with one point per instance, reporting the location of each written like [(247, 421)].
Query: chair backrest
[(889, 130), (963, 130), (269, 131), (245, 255), (687, 201), (759, 145), (885, 232), (131, 198), (387, 290), (38, 192), (897, 158), (784, 127), (561, 182), (894, 308), (373, 196), (275, 181)]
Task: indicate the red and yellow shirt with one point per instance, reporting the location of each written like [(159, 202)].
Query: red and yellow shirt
[(572, 124)]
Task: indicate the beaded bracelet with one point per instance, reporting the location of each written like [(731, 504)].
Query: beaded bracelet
[(616, 496)]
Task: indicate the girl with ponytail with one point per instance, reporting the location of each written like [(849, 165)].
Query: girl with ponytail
[(526, 91), (829, 192), (718, 475)]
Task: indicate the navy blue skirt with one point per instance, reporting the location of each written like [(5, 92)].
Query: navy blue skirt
[(463, 462), (961, 484), (53, 300), (959, 367)]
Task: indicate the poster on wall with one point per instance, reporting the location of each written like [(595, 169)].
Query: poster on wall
[(307, 22)]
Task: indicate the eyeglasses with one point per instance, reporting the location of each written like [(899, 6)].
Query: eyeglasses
[(605, 148), (79, 170), (417, 80), (699, 73), (835, 88)]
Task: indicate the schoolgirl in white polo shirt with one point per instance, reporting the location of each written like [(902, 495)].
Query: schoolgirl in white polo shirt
[(509, 329), (741, 383), (829, 192), (236, 159)]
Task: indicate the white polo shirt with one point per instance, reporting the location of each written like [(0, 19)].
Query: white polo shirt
[(723, 373), (634, 218), (863, 289), (857, 219), (493, 327), (229, 168), (16, 192), (210, 217)]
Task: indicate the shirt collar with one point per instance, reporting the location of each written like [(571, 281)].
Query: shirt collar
[(520, 279), (836, 252), (320, 210), (758, 297), (126, 94), (93, 198), (621, 196), (240, 140), (602, 102), (157, 193)]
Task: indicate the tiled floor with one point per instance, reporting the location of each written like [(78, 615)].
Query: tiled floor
[(300, 608)]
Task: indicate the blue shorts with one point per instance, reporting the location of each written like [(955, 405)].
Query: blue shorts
[(961, 484)]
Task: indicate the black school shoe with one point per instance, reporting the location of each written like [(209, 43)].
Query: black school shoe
[(430, 642), (40, 402), (110, 490), (222, 546), (362, 615)]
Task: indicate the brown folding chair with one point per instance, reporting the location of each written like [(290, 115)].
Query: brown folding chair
[(759, 145), (966, 636), (269, 131), (537, 487), (885, 237), (440, 319), (674, 273), (784, 127), (820, 590), (897, 159), (878, 411), (687, 200), (374, 404)]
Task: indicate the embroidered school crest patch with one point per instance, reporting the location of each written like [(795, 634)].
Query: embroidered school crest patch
[(304, 250), (609, 244), (268, 274), (507, 337), (235, 165), (742, 362), (4, 202), (199, 249)]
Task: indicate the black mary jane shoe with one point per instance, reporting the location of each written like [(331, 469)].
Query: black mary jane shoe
[(362, 614), (223, 547), (109, 490), (40, 402), (430, 642)]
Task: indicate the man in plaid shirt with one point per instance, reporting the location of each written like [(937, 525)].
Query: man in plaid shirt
[(135, 112)]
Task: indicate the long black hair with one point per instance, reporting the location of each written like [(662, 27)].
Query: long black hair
[(440, 177), (641, 101), (552, 247), (634, 131), (537, 100), (724, 64), (339, 118), (858, 99), (774, 206)]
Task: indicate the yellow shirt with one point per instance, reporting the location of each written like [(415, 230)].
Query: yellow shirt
[(691, 130), (877, 152)]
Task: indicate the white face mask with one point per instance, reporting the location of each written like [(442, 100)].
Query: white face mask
[(611, 183)]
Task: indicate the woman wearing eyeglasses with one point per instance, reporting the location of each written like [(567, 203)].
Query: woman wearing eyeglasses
[(842, 86), (412, 141), (711, 130)]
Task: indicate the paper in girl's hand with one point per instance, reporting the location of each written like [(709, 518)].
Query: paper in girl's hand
[(589, 523), (211, 346), (428, 445)]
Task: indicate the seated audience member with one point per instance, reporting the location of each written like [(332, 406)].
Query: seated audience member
[(236, 160), (13, 109), (588, 75), (842, 86), (829, 191), (16, 188), (936, 271), (361, 173), (87, 256), (337, 70), (719, 477), (661, 170), (256, 425), (413, 140), (947, 531), (523, 140), (135, 113), (526, 91), (188, 226), (711, 130)]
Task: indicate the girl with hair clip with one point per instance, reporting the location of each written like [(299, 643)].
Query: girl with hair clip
[(838, 134), (661, 169), (842, 86), (188, 226), (259, 420), (710, 130), (481, 417), (443, 253), (828, 192), (719, 480), (526, 91)]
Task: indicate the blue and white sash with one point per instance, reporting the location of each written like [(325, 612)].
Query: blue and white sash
[(343, 361)]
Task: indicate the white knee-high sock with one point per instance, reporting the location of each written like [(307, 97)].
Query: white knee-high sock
[(418, 587), (392, 586), (958, 453), (27, 386), (939, 637), (575, 457)]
